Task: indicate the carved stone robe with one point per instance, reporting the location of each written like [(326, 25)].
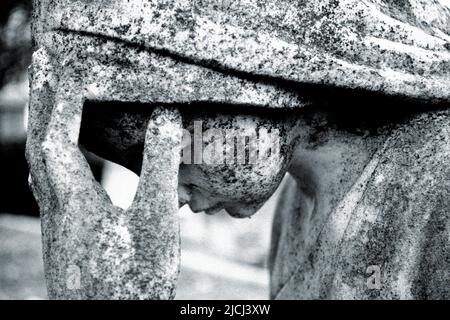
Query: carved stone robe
[(389, 236)]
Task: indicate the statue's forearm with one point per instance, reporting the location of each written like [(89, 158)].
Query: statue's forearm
[(93, 250)]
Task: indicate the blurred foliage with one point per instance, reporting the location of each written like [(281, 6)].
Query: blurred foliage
[(15, 39), (9, 5)]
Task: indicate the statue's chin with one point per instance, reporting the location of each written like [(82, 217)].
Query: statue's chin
[(241, 212), (236, 211)]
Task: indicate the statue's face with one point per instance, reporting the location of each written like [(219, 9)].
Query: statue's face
[(239, 165), (212, 175)]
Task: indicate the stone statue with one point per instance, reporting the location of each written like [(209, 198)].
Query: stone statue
[(354, 94)]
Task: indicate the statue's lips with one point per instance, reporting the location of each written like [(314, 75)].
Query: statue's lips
[(339, 45)]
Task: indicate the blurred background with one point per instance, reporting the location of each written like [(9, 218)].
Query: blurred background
[(222, 258)]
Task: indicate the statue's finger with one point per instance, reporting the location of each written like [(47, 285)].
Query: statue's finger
[(158, 184), (67, 169), (43, 82)]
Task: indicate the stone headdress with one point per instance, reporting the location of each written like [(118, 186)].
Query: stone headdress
[(399, 48)]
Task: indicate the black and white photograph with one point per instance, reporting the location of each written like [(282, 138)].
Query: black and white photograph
[(237, 151)]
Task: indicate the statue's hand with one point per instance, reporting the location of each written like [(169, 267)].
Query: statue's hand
[(93, 249)]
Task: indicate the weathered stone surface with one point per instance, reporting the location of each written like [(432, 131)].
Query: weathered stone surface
[(266, 54), (22, 274), (93, 250), (393, 218), (398, 48), (111, 71), (115, 254)]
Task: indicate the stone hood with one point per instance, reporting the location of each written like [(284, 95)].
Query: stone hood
[(398, 48)]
